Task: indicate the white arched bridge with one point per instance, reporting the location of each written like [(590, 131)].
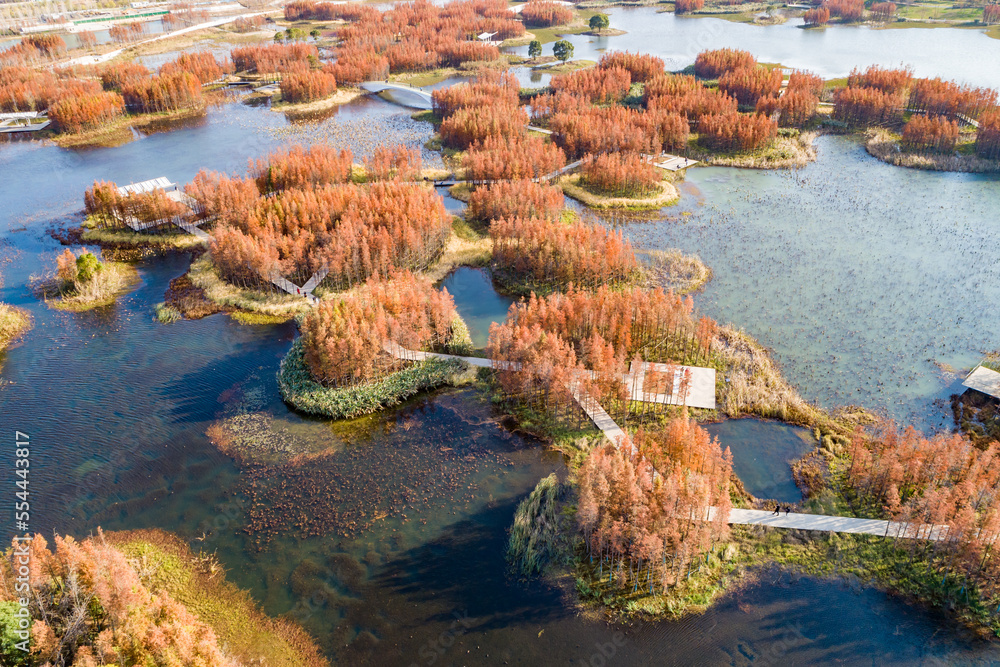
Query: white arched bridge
[(400, 93)]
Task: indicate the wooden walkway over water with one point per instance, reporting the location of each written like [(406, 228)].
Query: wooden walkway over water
[(619, 438)]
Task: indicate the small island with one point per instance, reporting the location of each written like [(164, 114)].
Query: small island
[(83, 282)]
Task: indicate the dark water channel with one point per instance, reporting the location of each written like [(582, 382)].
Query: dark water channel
[(395, 528)]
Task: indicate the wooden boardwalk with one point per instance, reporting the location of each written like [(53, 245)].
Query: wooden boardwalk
[(673, 162), (835, 524)]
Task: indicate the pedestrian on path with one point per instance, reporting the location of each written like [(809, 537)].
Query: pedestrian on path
[(777, 509), (787, 510)]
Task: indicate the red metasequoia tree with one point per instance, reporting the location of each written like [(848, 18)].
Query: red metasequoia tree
[(713, 64), (749, 84), (345, 338), (947, 98), (202, 64), (670, 85), (849, 11), (168, 92), (515, 199), (75, 113), (270, 58), (307, 86), (736, 132), (351, 231), (817, 16), (298, 167), (646, 517), (930, 133), (988, 136), (491, 88), (795, 108), (610, 129), (412, 36), (641, 66), (597, 85), (525, 157), (88, 605), (109, 209), (805, 82), (550, 252), (991, 14), (469, 125), (542, 14), (621, 175), (920, 482), (393, 163), (116, 75), (881, 78), (867, 106), (883, 11), (688, 6)]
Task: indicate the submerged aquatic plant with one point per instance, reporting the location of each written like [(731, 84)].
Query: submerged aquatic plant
[(533, 535)]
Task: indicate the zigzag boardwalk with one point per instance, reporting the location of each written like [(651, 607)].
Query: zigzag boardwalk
[(618, 437)]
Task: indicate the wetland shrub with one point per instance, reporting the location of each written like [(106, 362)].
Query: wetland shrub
[(301, 391)]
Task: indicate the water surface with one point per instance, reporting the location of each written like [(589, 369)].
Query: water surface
[(965, 55), (762, 454), (477, 301)]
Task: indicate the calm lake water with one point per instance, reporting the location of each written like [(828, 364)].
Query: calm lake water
[(477, 301), (762, 452), (868, 281), (965, 55), (854, 272)]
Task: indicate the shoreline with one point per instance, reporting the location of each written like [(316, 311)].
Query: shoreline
[(571, 188), (884, 146)]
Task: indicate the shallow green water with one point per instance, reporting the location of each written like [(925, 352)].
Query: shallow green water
[(762, 453)]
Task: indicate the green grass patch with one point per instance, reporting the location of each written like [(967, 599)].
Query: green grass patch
[(300, 390), (244, 317), (121, 237), (167, 314)]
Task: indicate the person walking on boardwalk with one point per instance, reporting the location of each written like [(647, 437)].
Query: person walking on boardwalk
[(777, 509), (787, 510)]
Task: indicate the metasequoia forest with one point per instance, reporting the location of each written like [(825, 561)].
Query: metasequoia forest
[(348, 249)]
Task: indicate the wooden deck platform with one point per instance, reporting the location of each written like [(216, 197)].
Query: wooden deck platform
[(674, 162), (984, 380)]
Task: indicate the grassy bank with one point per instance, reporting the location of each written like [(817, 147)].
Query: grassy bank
[(198, 582), (103, 289), (121, 238), (885, 146), (119, 131), (14, 322), (572, 187), (791, 149), (203, 274), (301, 391), (342, 96), (672, 269), (468, 246)]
